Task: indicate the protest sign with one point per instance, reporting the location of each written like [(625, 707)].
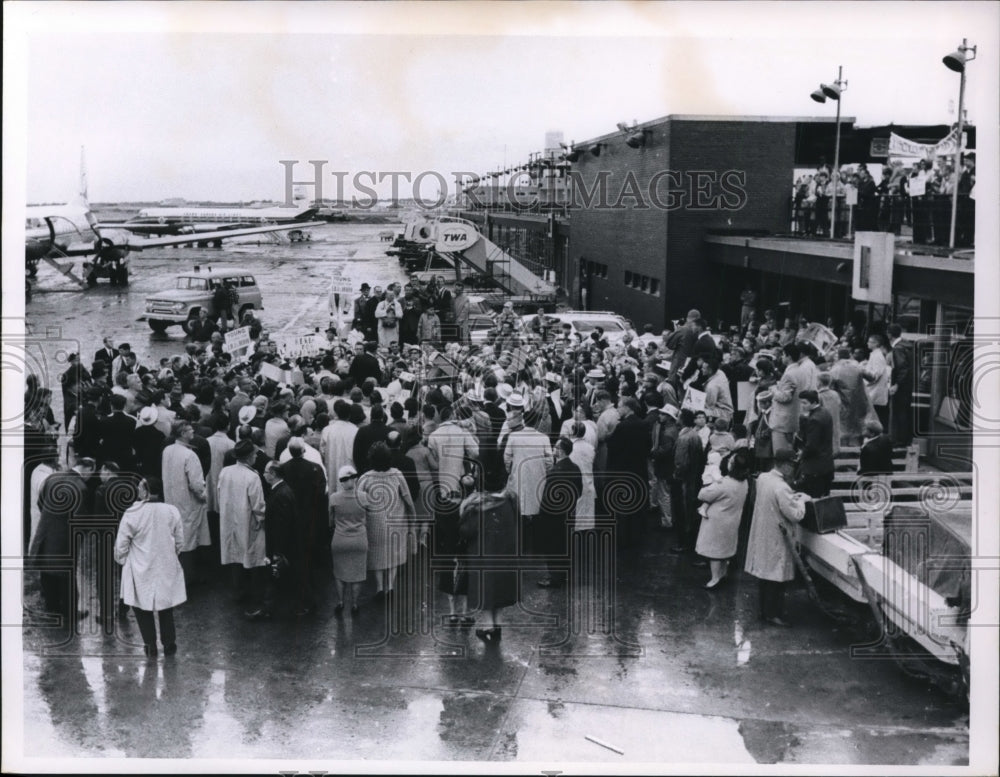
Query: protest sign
[(744, 394), (237, 341), (694, 400)]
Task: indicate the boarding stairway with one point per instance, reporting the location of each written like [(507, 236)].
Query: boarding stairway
[(461, 245)]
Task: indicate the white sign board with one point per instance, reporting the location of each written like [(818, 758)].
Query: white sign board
[(454, 237), (873, 257), (237, 340), (292, 346), (274, 373), (694, 400)]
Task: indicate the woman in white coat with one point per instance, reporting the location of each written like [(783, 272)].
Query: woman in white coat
[(150, 536), (583, 456)]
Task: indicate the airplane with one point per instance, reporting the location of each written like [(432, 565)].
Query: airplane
[(191, 220), (54, 232), (63, 231)]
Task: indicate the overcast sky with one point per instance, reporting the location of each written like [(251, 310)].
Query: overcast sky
[(181, 100)]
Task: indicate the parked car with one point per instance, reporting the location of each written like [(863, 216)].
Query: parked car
[(193, 291), (584, 322)]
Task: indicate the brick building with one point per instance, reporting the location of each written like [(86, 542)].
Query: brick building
[(693, 174)]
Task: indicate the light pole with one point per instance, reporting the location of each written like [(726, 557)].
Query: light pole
[(833, 91), (956, 61)]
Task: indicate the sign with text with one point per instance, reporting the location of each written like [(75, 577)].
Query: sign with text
[(694, 400), (293, 346), (237, 340), (873, 257), (454, 237)]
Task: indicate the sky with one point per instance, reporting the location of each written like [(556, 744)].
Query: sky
[(202, 101)]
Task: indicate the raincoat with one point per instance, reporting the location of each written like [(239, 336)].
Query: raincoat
[(241, 517), (150, 536)]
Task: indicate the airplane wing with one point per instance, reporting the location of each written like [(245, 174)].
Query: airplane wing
[(132, 244), (141, 228)]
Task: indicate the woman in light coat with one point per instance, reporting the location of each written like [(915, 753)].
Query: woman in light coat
[(150, 537), (383, 493), (720, 526), (583, 456)]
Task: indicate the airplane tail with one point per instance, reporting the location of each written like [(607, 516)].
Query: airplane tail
[(81, 199)]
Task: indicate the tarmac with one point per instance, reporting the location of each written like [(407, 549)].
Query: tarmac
[(646, 667), (651, 668)]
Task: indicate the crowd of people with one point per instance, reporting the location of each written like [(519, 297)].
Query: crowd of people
[(379, 451), (919, 196)]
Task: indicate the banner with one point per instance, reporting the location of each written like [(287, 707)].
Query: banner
[(901, 147), (293, 346), (237, 340)]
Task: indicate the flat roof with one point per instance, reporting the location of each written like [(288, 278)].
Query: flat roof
[(724, 118)]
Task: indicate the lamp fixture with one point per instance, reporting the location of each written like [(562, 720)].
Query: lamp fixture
[(634, 136), (957, 59)]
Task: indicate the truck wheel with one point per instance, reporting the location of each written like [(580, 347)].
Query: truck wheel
[(159, 326), (192, 317)]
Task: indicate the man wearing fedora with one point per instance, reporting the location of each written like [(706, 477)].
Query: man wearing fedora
[(148, 443), (560, 408)]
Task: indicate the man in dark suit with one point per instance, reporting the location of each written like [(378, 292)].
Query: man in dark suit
[(682, 340), (107, 354), (64, 496), (560, 492), (628, 475), (815, 438), (310, 559), (87, 435), (279, 518), (117, 436), (495, 472), (403, 463), (365, 364), (876, 452), (560, 408), (901, 387), (704, 348)]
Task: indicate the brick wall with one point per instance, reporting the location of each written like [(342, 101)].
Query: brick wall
[(736, 157)]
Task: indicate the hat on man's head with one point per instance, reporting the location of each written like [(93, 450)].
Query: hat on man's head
[(504, 390), (242, 449), (596, 374), (515, 401), (694, 314), (247, 414), (551, 377), (671, 410), (365, 287), (346, 472), (148, 416)]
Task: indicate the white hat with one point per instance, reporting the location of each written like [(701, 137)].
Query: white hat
[(247, 414), (596, 374), (551, 377), (148, 416), (504, 390), (515, 401), (473, 395), (346, 471), (671, 410)]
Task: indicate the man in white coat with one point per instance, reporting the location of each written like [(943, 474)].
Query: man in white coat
[(800, 375), (241, 524), (454, 446), (184, 488), (769, 558), (527, 455), (150, 536), (219, 444)]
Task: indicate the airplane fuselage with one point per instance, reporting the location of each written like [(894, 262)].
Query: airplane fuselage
[(184, 220), (68, 225)]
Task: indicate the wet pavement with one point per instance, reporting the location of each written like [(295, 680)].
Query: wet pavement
[(667, 672), (650, 663)]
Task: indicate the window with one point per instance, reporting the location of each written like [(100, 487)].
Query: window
[(628, 278), (654, 287)]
